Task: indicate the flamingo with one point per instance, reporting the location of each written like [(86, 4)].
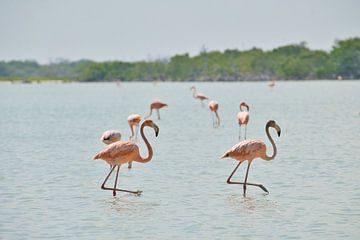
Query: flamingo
[(214, 106), (243, 117), (271, 83), (249, 150), (134, 121), (111, 136), (199, 96), (156, 104), (121, 152)]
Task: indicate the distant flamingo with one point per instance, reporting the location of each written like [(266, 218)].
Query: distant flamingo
[(156, 104), (243, 117), (249, 150), (112, 136), (122, 152), (271, 84), (199, 96), (214, 106), (134, 121)]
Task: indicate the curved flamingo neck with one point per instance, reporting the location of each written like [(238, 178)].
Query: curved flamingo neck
[(194, 92), (150, 150), (266, 157), (149, 114)]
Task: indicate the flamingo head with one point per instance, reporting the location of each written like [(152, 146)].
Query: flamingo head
[(225, 155), (150, 123), (244, 104), (192, 88), (273, 124)]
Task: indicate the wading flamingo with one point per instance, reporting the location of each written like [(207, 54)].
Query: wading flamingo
[(249, 150), (214, 106), (122, 152), (156, 104), (271, 84), (243, 117), (134, 121), (199, 96)]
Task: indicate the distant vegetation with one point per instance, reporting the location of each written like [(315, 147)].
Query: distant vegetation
[(294, 61)]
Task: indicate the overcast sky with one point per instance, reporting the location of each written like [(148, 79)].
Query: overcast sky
[(132, 30)]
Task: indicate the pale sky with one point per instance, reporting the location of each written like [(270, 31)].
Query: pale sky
[(133, 30)]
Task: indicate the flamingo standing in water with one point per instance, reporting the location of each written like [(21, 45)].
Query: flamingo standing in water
[(199, 96), (121, 152), (249, 150), (134, 121), (243, 117), (214, 106), (111, 136), (271, 84), (156, 104)]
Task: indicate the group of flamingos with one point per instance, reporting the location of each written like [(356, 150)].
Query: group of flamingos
[(120, 152)]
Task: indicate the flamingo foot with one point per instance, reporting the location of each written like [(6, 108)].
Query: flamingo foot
[(138, 193)]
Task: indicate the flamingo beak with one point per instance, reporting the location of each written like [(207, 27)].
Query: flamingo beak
[(157, 129), (278, 129)]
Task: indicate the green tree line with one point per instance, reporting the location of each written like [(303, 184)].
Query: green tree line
[(295, 61)]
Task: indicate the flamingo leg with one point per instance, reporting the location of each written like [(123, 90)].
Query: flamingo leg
[(116, 189), (158, 113), (136, 131), (239, 132), (247, 183), (202, 104), (130, 165), (212, 115), (246, 177), (117, 174), (245, 130), (132, 132)]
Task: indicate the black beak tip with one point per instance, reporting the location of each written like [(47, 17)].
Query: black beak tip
[(156, 133), (279, 133)]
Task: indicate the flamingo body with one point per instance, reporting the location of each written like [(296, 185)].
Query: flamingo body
[(119, 153), (243, 118), (247, 150)]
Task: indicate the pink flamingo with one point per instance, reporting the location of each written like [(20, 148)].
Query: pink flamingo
[(111, 136), (214, 106), (271, 84), (243, 117), (249, 150), (121, 152), (156, 104), (134, 121), (199, 96)]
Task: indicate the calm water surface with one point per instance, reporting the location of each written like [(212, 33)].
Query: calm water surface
[(50, 187)]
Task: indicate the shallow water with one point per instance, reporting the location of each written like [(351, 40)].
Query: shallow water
[(50, 187)]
